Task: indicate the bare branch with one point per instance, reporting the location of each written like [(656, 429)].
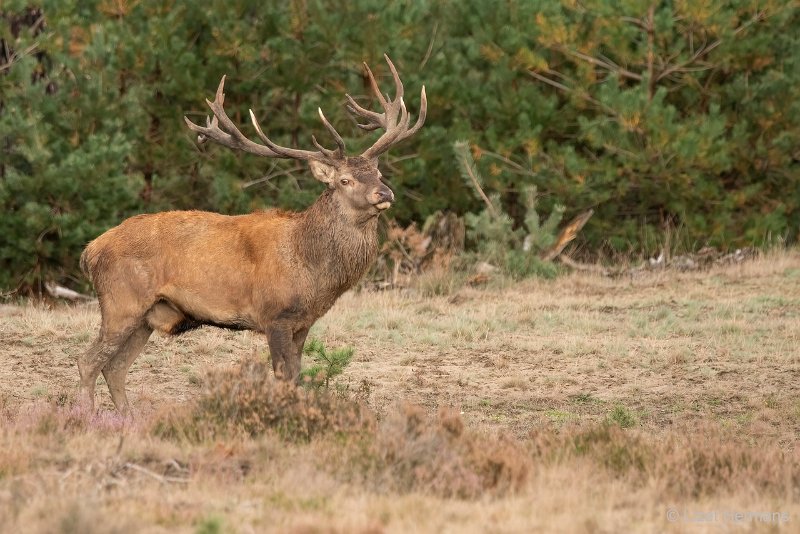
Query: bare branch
[(61, 292), (17, 56), (566, 89), (569, 262), (516, 168), (650, 29), (477, 185), (271, 175), (162, 479), (430, 46), (568, 233), (705, 50), (608, 65)]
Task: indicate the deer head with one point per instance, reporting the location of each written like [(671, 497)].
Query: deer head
[(356, 180)]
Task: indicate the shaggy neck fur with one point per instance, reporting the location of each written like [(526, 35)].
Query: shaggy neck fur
[(336, 243)]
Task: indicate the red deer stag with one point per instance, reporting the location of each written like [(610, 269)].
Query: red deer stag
[(275, 272)]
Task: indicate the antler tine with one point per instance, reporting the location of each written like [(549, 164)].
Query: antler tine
[(221, 129), (281, 151), (375, 118), (397, 82), (333, 132), (423, 113), (374, 84), (397, 125), (323, 154), (212, 122), (395, 118), (327, 152)]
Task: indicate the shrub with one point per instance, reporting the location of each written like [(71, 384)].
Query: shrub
[(409, 451), (248, 399), (521, 251), (696, 460), (419, 453), (622, 416)]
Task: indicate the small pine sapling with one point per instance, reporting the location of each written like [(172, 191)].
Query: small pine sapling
[(327, 364), (522, 251)]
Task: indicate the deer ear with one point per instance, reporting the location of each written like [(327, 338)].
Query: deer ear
[(322, 171)]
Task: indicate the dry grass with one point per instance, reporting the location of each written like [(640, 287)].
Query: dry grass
[(582, 404)]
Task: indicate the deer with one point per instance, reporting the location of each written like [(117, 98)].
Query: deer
[(274, 272)]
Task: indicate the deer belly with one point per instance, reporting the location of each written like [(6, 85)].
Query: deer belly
[(179, 310)]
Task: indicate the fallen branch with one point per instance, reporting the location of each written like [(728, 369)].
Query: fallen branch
[(154, 475), (572, 264), (61, 292), (569, 233)]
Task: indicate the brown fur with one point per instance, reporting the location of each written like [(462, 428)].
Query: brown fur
[(275, 272)]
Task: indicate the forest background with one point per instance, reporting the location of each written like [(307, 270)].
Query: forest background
[(678, 116)]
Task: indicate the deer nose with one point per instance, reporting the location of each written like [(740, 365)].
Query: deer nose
[(386, 195), (383, 198)]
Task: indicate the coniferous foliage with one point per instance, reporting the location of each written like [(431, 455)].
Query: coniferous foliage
[(668, 114), (517, 250)]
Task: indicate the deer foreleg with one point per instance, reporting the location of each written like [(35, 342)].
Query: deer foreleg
[(281, 348), (286, 349)]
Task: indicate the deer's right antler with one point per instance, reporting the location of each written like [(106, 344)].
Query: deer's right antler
[(221, 129)]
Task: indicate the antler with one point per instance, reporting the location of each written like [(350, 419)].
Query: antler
[(395, 118), (221, 129)]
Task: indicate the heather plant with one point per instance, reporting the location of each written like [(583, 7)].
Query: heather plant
[(622, 416), (438, 455), (408, 451), (248, 399)]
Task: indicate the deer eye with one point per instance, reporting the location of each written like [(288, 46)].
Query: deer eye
[(344, 181)]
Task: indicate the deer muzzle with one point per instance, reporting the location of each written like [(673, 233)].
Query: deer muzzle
[(384, 197)]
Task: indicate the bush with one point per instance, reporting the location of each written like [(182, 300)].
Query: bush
[(519, 250), (409, 451), (622, 416), (418, 453), (248, 399), (696, 460)]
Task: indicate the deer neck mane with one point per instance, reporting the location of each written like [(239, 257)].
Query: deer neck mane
[(336, 242)]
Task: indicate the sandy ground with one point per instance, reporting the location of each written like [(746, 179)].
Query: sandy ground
[(670, 346)]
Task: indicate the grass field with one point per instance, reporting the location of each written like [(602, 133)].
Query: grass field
[(666, 402)]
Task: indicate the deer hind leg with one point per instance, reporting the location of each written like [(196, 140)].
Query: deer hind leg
[(89, 366), (92, 361), (115, 370)]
